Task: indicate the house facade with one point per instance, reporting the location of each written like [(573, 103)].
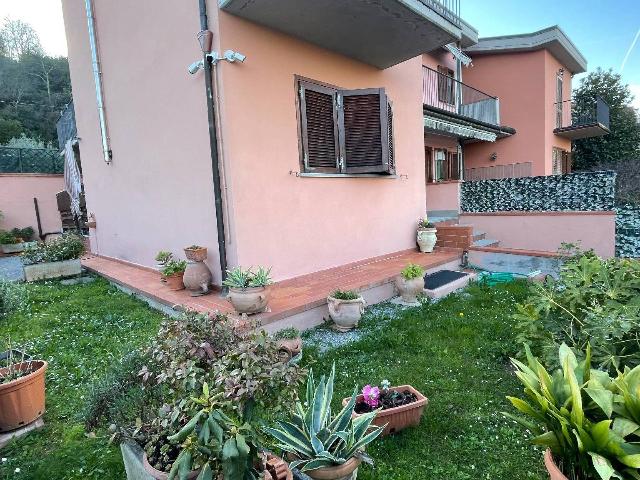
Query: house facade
[(332, 127)]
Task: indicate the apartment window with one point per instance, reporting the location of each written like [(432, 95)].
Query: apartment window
[(345, 131), (559, 103), (446, 86), (443, 165), (561, 161)]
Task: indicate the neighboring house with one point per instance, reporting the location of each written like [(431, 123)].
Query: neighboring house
[(323, 148)]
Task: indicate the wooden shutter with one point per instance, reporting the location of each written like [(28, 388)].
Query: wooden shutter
[(365, 136), (454, 166), (319, 128)]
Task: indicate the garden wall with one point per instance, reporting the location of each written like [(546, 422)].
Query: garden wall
[(584, 191), (628, 231), (17, 192)]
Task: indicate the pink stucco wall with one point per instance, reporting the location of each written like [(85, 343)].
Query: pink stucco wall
[(157, 193), (300, 225), (444, 195), (545, 231), (525, 85), (17, 192)]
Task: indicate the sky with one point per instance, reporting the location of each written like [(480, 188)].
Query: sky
[(603, 30)]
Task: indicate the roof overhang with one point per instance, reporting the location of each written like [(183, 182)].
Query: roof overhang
[(381, 33), (552, 39), (468, 129)]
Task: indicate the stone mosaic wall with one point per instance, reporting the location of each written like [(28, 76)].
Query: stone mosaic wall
[(584, 191), (628, 231)]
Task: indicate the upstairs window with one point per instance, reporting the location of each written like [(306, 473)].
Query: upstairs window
[(446, 86), (345, 131)]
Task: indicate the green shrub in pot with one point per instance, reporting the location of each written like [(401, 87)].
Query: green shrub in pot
[(315, 438), (66, 247), (7, 238), (587, 420)]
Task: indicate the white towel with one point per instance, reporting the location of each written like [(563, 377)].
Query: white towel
[(72, 179)]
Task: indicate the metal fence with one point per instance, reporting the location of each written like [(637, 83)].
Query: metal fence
[(512, 170), (577, 114), (30, 160), (449, 9), (446, 93)]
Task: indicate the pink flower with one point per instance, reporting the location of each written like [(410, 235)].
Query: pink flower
[(371, 395)]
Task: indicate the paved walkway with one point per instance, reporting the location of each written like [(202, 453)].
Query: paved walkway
[(287, 297), (11, 268)]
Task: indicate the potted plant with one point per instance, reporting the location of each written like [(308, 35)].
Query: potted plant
[(586, 420), (22, 398), (196, 253), (163, 257), (396, 407), (426, 235), (57, 258), (247, 289), (410, 282), (290, 344), (321, 445), (215, 445), (345, 309), (173, 271), (16, 240)]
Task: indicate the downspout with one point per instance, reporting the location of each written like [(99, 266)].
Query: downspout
[(213, 144), (97, 78)]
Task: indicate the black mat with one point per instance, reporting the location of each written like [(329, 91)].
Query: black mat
[(438, 279)]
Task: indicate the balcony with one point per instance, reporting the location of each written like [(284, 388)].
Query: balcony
[(576, 120), (443, 93), (381, 33)]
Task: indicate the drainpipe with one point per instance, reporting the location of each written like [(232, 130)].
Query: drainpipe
[(97, 78), (213, 144)]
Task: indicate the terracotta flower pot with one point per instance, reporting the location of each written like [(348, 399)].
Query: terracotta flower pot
[(158, 475), (197, 277), (249, 300), (196, 254), (339, 472), (22, 401), (398, 418), (277, 469), (345, 313), (174, 282), (427, 239), (552, 468), (289, 348), (410, 289)]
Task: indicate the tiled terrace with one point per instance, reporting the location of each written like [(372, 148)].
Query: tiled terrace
[(300, 300)]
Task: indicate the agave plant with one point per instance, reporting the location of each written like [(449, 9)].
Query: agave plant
[(316, 438), (582, 415)]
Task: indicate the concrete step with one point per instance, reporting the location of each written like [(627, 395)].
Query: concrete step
[(486, 242)]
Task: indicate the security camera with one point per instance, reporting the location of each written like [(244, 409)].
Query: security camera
[(232, 56), (196, 66)]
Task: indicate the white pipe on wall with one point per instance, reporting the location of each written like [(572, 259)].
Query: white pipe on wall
[(97, 77)]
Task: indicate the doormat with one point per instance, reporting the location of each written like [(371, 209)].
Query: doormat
[(441, 278)]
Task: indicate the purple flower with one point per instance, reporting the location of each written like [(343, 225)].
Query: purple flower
[(371, 395)]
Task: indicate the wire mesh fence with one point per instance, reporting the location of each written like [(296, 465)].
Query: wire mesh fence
[(30, 160)]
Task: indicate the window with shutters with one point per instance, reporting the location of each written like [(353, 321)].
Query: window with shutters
[(345, 131), (443, 164)]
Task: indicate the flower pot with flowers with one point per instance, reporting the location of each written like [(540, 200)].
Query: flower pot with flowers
[(410, 283), (426, 235), (16, 240), (396, 407)]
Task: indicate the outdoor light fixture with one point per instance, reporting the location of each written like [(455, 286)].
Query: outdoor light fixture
[(230, 56)]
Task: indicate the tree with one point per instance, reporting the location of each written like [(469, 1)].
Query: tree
[(623, 142), (9, 129), (19, 39)]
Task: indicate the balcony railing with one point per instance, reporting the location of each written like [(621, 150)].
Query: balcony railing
[(445, 93), (582, 119), (449, 9)]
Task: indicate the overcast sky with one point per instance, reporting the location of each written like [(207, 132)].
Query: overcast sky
[(607, 33)]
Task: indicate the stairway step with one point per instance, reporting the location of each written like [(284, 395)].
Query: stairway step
[(486, 242)]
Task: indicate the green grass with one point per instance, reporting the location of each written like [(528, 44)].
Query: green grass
[(455, 352), (81, 331)]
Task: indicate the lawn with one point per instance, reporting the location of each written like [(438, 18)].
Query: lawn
[(454, 351)]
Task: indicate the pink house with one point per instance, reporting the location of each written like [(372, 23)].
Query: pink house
[(301, 134)]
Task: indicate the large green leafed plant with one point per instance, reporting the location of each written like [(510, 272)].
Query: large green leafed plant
[(315, 438), (588, 420), (593, 301)]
